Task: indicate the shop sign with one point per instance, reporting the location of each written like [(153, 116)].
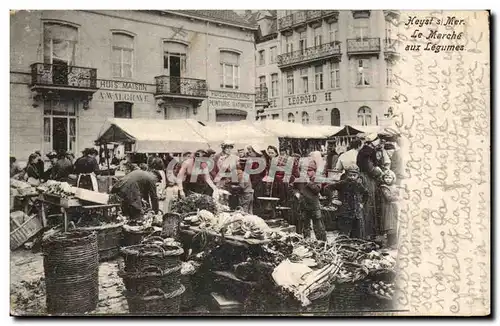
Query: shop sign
[(229, 104), (122, 85), (232, 95), (302, 99), (122, 96)]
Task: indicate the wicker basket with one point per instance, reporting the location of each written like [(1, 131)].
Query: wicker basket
[(171, 223), (109, 239), (133, 237), (25, 231), (152, 278), (188, 297), (142, 256), (374, 301), (155, 302), (71, 266), (349, 296)]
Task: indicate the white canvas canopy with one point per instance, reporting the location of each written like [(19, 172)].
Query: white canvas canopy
[(286, 129), (154, 136), (243, 133)]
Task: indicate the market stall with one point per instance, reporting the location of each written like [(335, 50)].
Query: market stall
[(153, 136)]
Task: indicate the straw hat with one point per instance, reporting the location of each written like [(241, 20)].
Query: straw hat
[(371, 137)]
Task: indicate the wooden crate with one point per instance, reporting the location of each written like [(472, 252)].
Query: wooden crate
[(25, 231)]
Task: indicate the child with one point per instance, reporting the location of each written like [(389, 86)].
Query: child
[(308, 196), (353, 194), (389, 207)]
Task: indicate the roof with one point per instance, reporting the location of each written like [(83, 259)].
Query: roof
[(221, 16), (154, 136)]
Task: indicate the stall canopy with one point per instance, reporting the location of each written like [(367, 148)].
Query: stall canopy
[(154, 136), (351, 130), (243, 133), (292, 130)]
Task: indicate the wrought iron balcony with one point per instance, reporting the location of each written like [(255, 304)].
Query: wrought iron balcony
[(304, 16), (58, 76), (261, 96), (170, 86), (392, 14), (391, 48), (311, 54), (363, 46)]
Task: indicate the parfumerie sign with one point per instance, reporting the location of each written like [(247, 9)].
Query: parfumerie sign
[(230, 100), (114, 90)]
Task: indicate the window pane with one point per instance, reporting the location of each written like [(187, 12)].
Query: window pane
[(46, 132), (123, 110), (127, 70), (72, 135), (221, 73), (174, 47), (318, 69), (127, 56), (229, 57), (123, 41)]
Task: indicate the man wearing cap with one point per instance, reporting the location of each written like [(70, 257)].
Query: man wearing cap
[(353, 195), (308, 196), (133, 188)]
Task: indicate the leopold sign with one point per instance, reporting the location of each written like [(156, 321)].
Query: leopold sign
[(302, 99)]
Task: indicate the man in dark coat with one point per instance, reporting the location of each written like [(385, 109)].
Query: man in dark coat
[(61, 167), (134, 187)]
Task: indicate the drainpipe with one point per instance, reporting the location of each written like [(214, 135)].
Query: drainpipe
[(206, 68)]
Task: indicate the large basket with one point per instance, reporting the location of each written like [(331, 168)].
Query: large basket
[(109, 239), (349, 296), (152, 278), (374, 301), (171, 223), (132, 236), (71, 266), (139, 257), (156, 302), (25, 231)]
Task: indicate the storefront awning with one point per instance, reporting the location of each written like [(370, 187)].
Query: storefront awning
[(284, 129), (154, 136), (352, 130)]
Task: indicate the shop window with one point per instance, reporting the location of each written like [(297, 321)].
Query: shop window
[(60, 125), (123, 110), (291, 117), (305, 118)]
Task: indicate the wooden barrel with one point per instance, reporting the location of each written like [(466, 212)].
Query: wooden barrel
[(71, 267)]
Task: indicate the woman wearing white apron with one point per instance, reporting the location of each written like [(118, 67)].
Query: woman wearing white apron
[(156, 164), (85, 168)]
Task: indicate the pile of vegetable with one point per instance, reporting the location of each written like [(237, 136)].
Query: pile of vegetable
[(60, 189), (382, 289), (193, 203), (21, 188), (376, 260), (230, 223)]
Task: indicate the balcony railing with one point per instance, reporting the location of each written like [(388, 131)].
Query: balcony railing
[(170, 85), (365, 45), (261, 95), (391, 45), (310, 54), (303, 16), (64, 76)]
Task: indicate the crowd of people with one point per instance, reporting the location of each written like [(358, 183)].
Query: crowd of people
[(362, 181)]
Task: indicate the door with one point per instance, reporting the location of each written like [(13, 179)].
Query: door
[(335, 115), (60, 134), (175, 74)]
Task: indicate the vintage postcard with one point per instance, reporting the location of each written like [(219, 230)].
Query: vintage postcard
[(250, 162)]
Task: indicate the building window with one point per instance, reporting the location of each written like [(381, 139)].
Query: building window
[(335, 117), (361, 28), (123, 110), (262, 81), (59, 125), (291, 117), (59, 44), (288, 44), (262, 57), (262, 118), (376, 120), (334, 32), (388, 30), (289, 82), (275, 116), (334, 75), (318, 36), (318, 78), (174, 59), (364, 116), (302, 42), (305, 80), (388, 75), (363, 76), (272, 54), (123, 55), (229, 69), (305, 118), (274, 85), (319, 116)]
